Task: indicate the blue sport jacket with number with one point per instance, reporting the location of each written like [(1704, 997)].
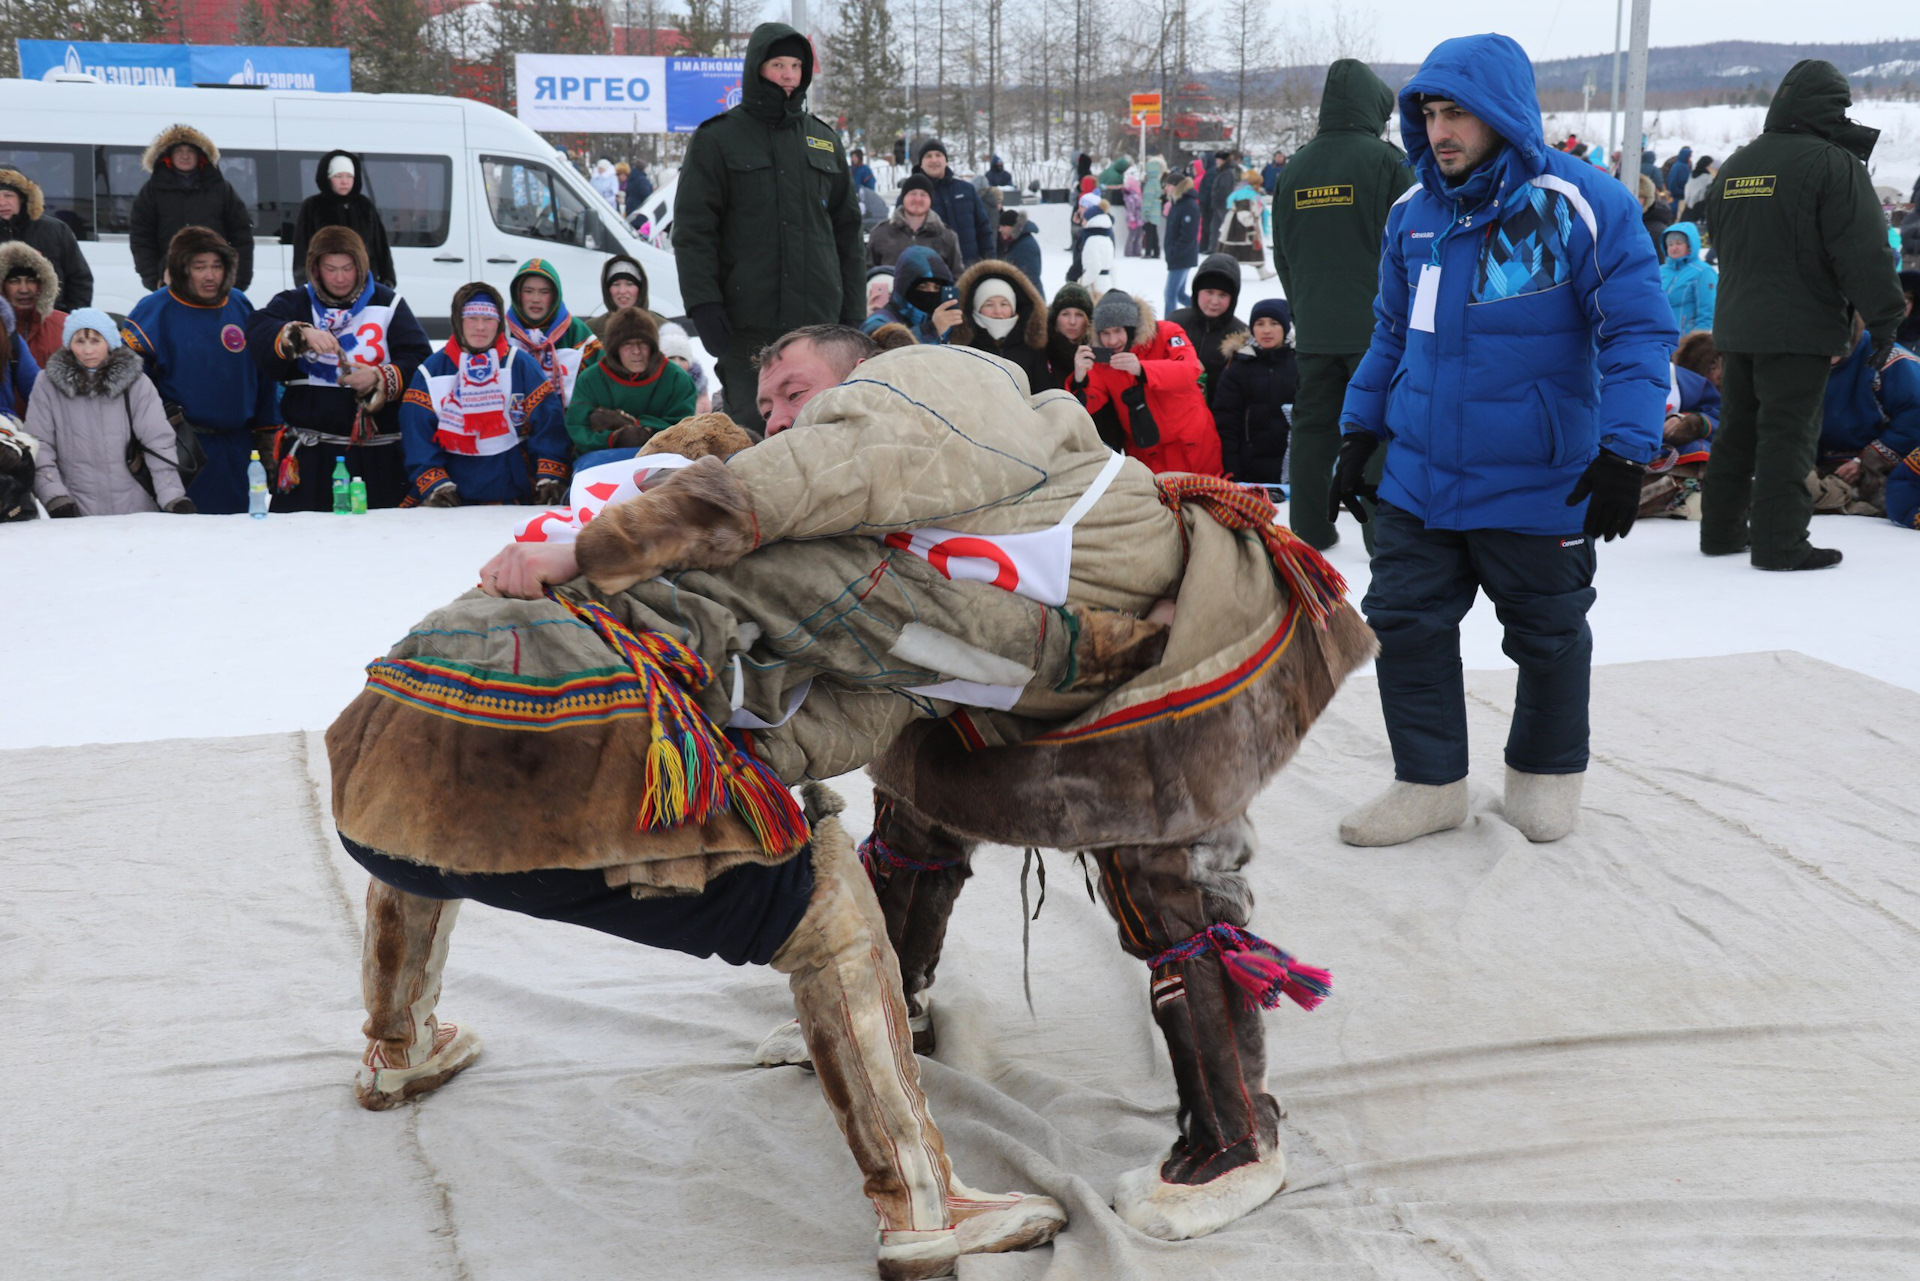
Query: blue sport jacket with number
[(1550, 334)]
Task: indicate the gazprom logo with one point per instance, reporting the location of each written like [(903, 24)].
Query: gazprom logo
[(272, 79), (72, 65)]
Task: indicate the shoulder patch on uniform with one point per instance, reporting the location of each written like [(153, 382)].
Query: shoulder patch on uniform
[(820, 144), (1176, 341), (1757, 185), (1323, 197)]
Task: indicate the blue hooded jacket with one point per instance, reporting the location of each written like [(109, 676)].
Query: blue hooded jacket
[(1549, 335), (917, 264), (1677, 174), (1857, 414), (1690, 283)]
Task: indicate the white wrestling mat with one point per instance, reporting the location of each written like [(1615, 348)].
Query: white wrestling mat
[(1680, 1043)]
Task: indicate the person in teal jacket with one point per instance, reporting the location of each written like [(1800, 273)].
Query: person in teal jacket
[(1690, 283)]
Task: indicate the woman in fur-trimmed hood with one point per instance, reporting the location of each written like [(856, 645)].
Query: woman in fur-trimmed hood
[(187, 189), (30, 285), (1003, 314), (24, 219), (83, 414)]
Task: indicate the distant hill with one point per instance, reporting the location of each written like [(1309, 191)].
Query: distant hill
[(1685, 75)]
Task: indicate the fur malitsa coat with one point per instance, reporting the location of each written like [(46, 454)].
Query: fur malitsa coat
[(50, 236), (82, 418)]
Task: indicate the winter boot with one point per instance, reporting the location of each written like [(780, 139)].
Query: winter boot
[(853, 1016), (409, 1051), (1543, 806), (1404, 811), (1170, 901)]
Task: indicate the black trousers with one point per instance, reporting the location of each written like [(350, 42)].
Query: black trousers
[(1316, 444), (1424, 582), (1756, 482)]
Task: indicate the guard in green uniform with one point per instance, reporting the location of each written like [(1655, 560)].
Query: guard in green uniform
[(1329, 211), (1801, 241), (766, 221)]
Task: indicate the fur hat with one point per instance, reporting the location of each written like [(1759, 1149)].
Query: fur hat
[(171, 137), (338, 240), (1696, 352), (1117, 309), (189, 243), (17, 257), (467, 293), (27, 189), (675, 342), (701, 436), (631, 324), (893, 334), (90, 318)]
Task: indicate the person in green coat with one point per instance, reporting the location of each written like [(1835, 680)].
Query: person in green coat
[(632, 391), (766, 219), (1329, 210), (1802, 243)]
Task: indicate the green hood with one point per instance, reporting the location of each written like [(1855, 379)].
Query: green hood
[(1813, 98), (1355, 98), (763, 99), (536, 267)]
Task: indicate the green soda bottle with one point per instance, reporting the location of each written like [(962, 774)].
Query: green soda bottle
[(357, 496), (342, 502)]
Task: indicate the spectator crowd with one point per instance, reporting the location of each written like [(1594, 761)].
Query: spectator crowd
[(165, 409)]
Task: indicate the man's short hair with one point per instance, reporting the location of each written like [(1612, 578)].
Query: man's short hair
[(842, 345)]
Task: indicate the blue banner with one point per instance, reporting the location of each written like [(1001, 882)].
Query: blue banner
[(699, 88), (182, 66)]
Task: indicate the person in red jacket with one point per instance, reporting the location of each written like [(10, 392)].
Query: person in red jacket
[(1151, 376)]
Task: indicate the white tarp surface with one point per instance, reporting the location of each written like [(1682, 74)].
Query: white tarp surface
[(1681, 1042)]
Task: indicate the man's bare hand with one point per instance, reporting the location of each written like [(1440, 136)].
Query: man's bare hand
[(946, 316), (1082, 363), (523, 570), (359, 378), (1126, 362), (320, 342), (1849, 471)]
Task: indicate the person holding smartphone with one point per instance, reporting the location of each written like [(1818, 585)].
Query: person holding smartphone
[(924, 300), (1147, 370)]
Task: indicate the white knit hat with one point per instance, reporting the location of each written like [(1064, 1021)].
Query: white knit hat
[(339, 165), (994, 287), (674, 342)]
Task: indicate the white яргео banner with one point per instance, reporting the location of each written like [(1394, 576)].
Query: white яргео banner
[(577, 93)]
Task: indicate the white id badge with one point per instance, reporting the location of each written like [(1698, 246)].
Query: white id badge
[(1424, 296)]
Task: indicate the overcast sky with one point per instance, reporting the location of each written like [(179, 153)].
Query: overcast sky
[(1548, 29)]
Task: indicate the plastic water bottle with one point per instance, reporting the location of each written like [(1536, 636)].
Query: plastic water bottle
[(357, 496), (342, 499), (256, 488)]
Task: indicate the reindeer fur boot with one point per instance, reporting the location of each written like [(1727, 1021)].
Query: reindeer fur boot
[(409, 1051)]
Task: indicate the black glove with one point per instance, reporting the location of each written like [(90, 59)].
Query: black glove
[(1614, 485), (716, 334), (448, 495), (1140, 421), (1350, 476), (182, 506), (550, 491), (62, 508)]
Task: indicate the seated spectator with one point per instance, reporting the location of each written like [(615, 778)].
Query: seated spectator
[(1251, 396), (18, 368), (1903, 492), (914, 223), (628, 393), (340, 200), (1690, 283), (1868, 426), (879, 287), (1096, 244), (482, 422), (623, 283), (31, 285), (344, 347), (1671, 486), (1909, 332), (24, 220), (193, 337), (677, 346), (1020, 245), (92, 398), (186, 189), (924, 298), (540, 325), (1210, 321), (1069, 328), (1004, 315), (1147, 370)]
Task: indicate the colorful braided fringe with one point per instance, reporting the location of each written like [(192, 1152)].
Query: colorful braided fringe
[(693, 771), (1263, 972), (1317, 585), (882, 860)]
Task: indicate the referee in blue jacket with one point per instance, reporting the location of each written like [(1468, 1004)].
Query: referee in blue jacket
[(1517, 376)]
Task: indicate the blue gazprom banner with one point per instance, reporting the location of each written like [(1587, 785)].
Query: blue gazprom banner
[(182, 65)]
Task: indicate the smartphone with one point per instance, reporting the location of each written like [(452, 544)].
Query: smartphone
[(1102, 355), (950, 294)]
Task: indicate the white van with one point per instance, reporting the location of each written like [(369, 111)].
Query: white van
[(467, 191)]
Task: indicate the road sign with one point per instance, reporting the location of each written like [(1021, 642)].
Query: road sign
[(1144, 111)]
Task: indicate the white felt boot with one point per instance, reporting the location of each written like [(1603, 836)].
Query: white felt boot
[(1404, 811), (1543, 806), (1180, 1211)]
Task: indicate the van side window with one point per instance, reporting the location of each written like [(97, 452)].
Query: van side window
[(412, 193), (118, 177), (529, 199), (65, 179)]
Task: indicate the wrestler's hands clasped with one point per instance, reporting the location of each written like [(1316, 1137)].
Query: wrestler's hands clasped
[(523, 570)]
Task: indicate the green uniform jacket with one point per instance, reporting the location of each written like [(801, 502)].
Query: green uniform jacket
[(766, 220), (1330, 211), (657, 401), (1798, 229)]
